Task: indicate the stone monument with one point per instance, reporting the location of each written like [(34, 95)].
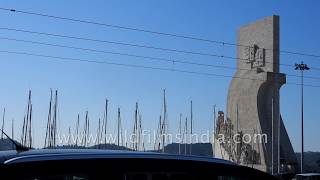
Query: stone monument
[(253, 108)]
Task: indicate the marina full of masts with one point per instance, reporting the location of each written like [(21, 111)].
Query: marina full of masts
[(82, 128)]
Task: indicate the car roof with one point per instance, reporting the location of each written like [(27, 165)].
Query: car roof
[(308, 174), (9, 157)]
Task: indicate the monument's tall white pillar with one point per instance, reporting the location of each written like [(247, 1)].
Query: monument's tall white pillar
[(254, 99)]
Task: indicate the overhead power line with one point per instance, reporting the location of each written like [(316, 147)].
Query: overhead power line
[(127, 44), (120, 43), (149, 57), (148, 31), (59, 58), (133, 45)]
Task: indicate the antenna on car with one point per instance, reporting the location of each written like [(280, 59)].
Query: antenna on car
[(19, 147)]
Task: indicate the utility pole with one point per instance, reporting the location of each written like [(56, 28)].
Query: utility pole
[(302, 67), (272, 137), (279, 125)]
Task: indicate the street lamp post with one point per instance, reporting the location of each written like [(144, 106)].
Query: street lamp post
[(302, 67)]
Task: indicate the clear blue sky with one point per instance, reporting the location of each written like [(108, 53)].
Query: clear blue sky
[(84, 86)]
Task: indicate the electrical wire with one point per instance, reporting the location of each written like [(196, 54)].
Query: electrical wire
[(59, 58), (149, 31), (147, 57)]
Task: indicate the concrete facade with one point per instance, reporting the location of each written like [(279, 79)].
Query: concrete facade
[(253, 102)]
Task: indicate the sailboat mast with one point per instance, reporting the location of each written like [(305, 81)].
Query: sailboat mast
[(191, 127), (26, 131), (55, 118), (3, 116), (23, 129), (164, 125), (27, 122), (180, 133), (141, 140), (77, 129), (106, 121), (86, 129), (29, 131), (159, 133), (118, 127), (12, 133), (12, 129), (98, 134), (135, 128), (186, 135), (69, 137), (47, 137), (214, 131)]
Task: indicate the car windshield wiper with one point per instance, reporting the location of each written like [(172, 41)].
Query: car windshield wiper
[(18, 146)]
